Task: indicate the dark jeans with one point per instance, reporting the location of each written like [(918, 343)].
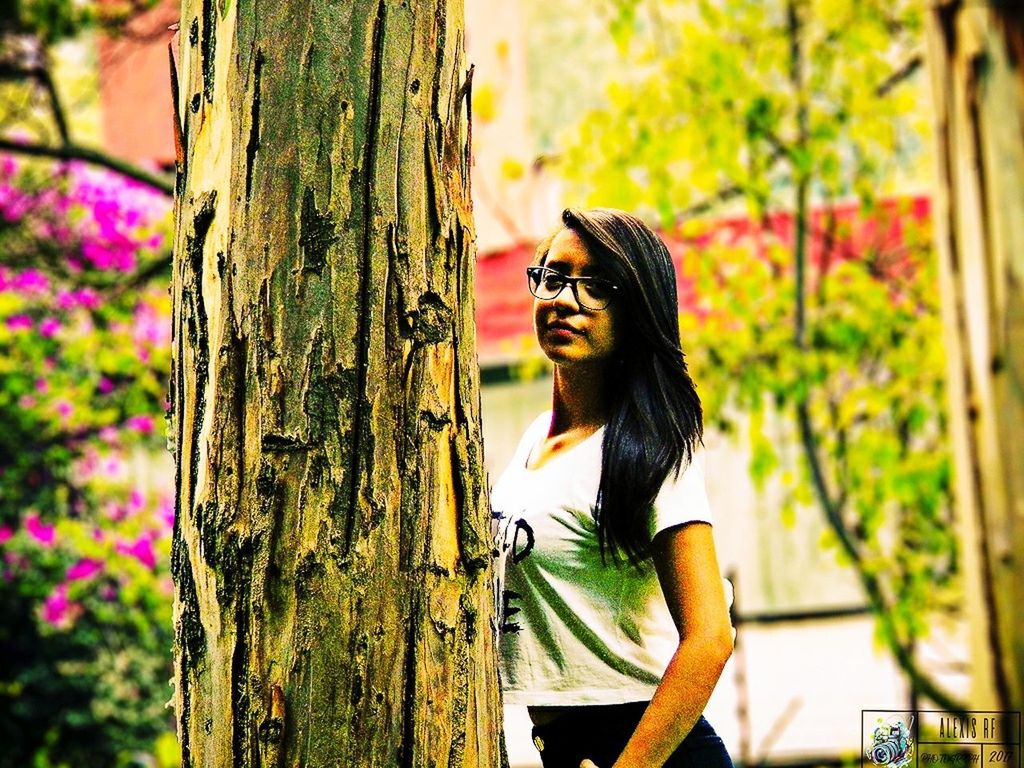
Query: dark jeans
[(599, 733)]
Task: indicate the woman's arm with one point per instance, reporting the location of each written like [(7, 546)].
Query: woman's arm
[(687, 566)]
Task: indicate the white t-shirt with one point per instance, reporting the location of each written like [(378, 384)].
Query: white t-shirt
[(573, 631)]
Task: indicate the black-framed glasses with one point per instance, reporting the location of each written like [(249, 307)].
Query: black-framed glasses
[(592, 293)]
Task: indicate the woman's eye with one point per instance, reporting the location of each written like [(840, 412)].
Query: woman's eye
[(553, 280), (596, 288)]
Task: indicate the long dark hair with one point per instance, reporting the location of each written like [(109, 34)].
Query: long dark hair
[(655, 420)]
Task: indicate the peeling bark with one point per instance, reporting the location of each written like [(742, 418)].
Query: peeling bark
[(331, 540)]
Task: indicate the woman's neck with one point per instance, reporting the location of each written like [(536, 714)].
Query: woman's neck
[(578, 397)]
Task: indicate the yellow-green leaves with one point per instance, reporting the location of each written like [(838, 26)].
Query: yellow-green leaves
[(732, 110)]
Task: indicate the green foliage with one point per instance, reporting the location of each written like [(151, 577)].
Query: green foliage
[(873, 380), (55, 20), (716, 105), (90, 692), (791, 107), (85, 519)]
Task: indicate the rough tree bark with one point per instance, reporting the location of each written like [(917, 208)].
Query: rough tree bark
[(331, 548), (977, 59)]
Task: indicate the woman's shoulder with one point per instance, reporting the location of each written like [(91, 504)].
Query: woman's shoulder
[(683, 496), (689, 477)]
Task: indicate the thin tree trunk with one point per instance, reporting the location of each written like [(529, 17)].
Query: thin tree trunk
[(977, 60), (331, 551)]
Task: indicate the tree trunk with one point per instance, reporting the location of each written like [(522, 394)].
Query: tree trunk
[(977, 53), (332, 549)]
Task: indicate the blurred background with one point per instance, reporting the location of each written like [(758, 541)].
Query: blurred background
[(785, 151)]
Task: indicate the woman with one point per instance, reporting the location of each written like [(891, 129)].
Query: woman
[(614, 627)]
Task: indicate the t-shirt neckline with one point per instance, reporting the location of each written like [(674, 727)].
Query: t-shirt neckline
[(525, 462)]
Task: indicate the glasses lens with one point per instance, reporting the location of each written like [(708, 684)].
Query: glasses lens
[(533, 278), (545, 283), (551, 284), (594, 294)]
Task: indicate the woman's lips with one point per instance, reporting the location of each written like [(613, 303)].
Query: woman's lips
[(563, 329)]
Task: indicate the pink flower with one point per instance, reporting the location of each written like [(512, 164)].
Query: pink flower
[(6, 532), (84, 297), (57, 609), (56, 605), (105, 387), (149, 327), (19, 322), (42, 532), (42, 385), (87, 298), (84, 569), (89, 462), (136, 501), (115, 511), (14, 204), (143, 424), (31, 281), (124, 260), (64, 408), (15, 561), (141, 549), (49, 326), (100, 257), (165, 511), (62, 234)]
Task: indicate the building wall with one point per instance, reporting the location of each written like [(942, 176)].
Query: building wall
[(135, 88)]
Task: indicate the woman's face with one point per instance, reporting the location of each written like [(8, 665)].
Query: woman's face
[(569, 333)]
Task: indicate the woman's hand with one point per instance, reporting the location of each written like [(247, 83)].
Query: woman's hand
[(588, 764)]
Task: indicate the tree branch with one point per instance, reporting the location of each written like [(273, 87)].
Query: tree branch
[(909, 68), (46, 81), (733, 191), (726, 193), (872, 588), (73, 151), (141, 276)]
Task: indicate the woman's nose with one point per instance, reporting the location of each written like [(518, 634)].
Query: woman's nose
[(566, 298)]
